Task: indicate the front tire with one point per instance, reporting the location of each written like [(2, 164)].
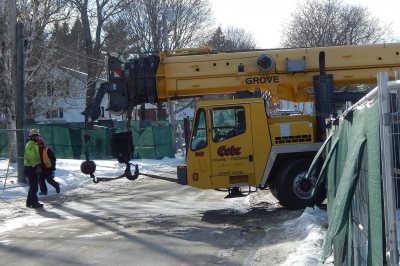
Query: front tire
[(292, 188)]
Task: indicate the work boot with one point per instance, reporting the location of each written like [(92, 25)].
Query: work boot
[(36, 205)]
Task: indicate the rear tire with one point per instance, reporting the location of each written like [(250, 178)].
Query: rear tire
[(272, 189), (293, 190)]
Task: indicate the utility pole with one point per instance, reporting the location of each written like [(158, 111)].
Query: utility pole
[(15, 141), (19, 100), (171, 105)]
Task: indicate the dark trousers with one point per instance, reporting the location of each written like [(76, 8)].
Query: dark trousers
[(47, 175), (33, 185)]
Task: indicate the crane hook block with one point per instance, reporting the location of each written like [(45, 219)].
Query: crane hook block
[(265, 62), (122, 146)]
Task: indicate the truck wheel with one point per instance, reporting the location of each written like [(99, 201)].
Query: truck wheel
[(293, 190), (272, 189)]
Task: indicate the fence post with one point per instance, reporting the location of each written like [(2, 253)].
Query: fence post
[(387, 165)]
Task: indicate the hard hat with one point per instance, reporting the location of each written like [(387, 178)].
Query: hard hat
[(34, 132)]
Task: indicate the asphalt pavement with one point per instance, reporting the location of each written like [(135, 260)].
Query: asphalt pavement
[(145, 222)]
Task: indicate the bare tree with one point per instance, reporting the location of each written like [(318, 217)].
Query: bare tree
[(38, 17), (331, 23), (231, 39), (93, 15), (191, 23), (188, 23), (7, 97), (240, 38)]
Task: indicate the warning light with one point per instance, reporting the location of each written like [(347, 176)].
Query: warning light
[(117, 73)]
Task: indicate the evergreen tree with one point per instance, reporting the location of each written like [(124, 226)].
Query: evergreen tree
[(76, 43), (116, 37)]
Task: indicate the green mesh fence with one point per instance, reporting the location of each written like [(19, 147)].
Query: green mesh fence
[(352, 172), (152, 139)]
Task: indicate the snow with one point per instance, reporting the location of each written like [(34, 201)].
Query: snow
[(311, 227), (308, 230)]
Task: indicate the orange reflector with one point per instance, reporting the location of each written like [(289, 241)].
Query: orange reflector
[(195, 177)]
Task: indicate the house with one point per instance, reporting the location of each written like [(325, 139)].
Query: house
[(64, 98)]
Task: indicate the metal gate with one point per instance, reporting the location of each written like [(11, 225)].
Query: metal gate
[(389, 100)]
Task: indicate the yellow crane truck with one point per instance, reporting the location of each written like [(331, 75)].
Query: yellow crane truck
[(237, 142)]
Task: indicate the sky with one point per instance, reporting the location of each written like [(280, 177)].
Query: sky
[(311, 225), (264, 19)]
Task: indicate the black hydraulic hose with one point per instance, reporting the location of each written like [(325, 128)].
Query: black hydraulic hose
[(98, 179), (161, 177), (322, 69)]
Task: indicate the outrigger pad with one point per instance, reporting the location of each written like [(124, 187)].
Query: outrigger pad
[(235, 192), (122, 146)]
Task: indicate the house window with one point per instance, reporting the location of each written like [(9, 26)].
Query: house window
[(53, 113)]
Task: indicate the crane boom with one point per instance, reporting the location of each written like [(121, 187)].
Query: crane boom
[(286, 73)]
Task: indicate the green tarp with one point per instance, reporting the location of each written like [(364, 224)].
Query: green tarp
[(153, 141), (355, 141)]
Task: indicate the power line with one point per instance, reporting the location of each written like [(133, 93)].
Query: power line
[(52, 43), (78, 54), (80, 59)]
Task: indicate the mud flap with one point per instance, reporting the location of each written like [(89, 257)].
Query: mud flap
[(182, 175)]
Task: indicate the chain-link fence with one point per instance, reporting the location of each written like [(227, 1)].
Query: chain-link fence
[(361, 201), (362, 169), (354, 189), (389, 98)]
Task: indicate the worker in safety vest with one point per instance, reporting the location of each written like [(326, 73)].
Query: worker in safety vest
[(32, 168), (48, 167)]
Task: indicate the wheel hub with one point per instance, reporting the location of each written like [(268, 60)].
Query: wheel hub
[(303, 186)]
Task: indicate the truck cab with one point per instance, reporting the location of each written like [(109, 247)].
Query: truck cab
[(235, 143), (222, 153)]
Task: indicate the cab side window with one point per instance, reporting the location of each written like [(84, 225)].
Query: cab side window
[(228, 122), (199, 138)]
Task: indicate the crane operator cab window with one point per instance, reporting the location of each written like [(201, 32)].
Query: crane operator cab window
[(199, 138), (228, 122)]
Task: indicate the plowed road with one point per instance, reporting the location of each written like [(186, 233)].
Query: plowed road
[(146, 222)]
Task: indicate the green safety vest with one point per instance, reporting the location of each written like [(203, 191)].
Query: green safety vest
[(31, 155)]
